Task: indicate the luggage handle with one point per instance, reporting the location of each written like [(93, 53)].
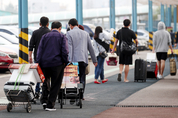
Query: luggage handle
[(9, 94), (172, 55)]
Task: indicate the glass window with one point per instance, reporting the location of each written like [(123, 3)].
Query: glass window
[(140, 34), (4, 41), (6, 31), (10, 38)]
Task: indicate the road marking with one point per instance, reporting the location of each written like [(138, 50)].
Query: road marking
[(3, 100), (106, 72), (2, 76)]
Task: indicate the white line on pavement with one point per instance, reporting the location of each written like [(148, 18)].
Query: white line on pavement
[(105, 72), (3, 100), (2, 76)]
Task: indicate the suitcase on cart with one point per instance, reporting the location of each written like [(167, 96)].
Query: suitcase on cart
[(140, 71), (23, 92), (75, 95), (71, 87), (152, 69)]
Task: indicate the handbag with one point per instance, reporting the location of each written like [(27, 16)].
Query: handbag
[(103, 54), (87, 70), (126, 48)]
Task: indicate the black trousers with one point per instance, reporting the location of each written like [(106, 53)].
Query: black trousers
[(49, 93), (82, 76)]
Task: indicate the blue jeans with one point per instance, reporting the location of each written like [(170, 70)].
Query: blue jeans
[(37, 89), (99, 69)]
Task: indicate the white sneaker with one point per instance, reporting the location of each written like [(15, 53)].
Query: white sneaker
[(158, 76), (161, 77), (50, 109)]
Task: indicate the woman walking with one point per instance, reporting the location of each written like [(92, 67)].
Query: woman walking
[(99, 49)]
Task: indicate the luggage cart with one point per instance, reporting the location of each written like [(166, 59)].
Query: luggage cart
[(25, 95), (74, 94), (21, 85)]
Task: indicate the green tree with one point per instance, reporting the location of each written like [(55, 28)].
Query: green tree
[(156, 13)]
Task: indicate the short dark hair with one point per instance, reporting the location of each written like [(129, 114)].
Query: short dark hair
[(73, 22), (126, 22), (44, 21), (56, 25)]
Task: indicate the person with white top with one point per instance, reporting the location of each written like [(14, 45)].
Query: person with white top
[(99, 69)]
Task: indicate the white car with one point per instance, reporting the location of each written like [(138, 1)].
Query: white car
[(15, 31), (11, 38), (7, 44), (143, 34), (142, 44)]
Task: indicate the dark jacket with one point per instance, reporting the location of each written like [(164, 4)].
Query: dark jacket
[(172, 37), (35, 39), (53, 50), (176, 37)]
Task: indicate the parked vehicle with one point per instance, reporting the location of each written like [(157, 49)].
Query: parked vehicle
[(10, 38), (142, 44), (12, 30), (7, 57), (141, 33), (5, 61), (7, 44), (90, 28)]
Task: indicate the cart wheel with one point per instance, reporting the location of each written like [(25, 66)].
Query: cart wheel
[(80, 103), (28, 107), (61, 103), (9, 107), (34, 102), (72, 101)]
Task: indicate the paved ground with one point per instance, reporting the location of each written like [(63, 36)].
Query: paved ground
[(131, 112), (162, 93), (102, 100)]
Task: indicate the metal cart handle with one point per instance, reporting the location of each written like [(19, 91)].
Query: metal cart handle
[(10, 94)]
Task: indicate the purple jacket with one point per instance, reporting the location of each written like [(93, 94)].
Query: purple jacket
[(53, 50)]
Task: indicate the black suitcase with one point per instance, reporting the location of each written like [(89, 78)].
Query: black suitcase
[(152, 70), (140, 70)]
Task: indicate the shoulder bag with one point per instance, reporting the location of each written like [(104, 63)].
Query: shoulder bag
[(102, 54), (126, 48), (102, 43)]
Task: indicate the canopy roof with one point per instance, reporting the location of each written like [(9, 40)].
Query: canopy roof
[(158, 2)]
